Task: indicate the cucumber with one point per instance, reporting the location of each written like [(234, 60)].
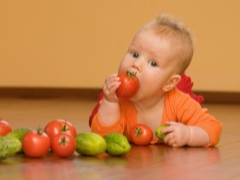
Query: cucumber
[(18, 133), (9, 146), (158, 131), (117, 144), (90, 144)]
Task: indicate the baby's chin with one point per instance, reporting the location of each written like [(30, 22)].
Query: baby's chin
[(135, 98)]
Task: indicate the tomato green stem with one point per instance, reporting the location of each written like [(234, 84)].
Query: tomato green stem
[(63, 141), (138, 132), (40, 131), (131, 74), (64, 127)]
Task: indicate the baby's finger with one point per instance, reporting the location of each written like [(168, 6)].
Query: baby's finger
[(171, 123), (114, 87), (173, 141), (111, 78), (168, 129), (168, 137), (111, 86)]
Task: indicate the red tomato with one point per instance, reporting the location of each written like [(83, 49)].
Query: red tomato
[(36, 143), (129, 85), (5, 128), (141, 134), (59, 125), (63, 144)]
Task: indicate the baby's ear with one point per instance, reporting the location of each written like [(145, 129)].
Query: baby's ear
[(172, 82)]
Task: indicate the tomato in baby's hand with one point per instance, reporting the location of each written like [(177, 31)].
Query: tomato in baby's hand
[(36, 143), (59, 125), (5, 128), (63, 144), (129, 85), (141, 134)]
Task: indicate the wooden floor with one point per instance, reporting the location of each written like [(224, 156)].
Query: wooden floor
[(148, 162)]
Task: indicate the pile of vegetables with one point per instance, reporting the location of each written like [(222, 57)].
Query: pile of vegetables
[(61, 138)]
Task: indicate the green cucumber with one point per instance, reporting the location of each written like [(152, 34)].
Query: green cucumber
[(90, 144), (18, 133), (158, 131), (117, 144), (9, 146)]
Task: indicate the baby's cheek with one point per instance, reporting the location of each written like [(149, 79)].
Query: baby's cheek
[(124, 65)]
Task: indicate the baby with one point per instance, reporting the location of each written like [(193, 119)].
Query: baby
[(159, 53)]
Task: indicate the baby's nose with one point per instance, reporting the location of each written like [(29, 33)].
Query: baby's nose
[(137, 65)]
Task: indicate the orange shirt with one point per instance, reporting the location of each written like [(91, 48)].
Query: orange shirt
[(178, 107)]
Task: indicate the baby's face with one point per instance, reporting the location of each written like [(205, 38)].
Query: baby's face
[(152, 58)]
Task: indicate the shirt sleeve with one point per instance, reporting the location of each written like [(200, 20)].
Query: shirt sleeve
[(101, 129), (189, 112), (123, 125)]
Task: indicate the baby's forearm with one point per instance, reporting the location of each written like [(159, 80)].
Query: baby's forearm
[(198, 136), (109, 112)]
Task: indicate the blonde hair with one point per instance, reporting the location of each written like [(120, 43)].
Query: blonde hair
[(166, 26)]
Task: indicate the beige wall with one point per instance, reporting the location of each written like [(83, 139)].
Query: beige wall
[(77, 43)]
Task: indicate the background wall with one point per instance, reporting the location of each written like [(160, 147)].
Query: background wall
[(76, 44)]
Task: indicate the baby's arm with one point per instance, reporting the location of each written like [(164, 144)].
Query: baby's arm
[(109, 110), (190, 124), (180, 135)]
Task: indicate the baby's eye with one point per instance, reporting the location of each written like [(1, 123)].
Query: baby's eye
[(135, 55), (153, 64)]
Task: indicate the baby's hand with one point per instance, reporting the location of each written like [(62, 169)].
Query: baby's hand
[(178, 134), (110, 86)]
